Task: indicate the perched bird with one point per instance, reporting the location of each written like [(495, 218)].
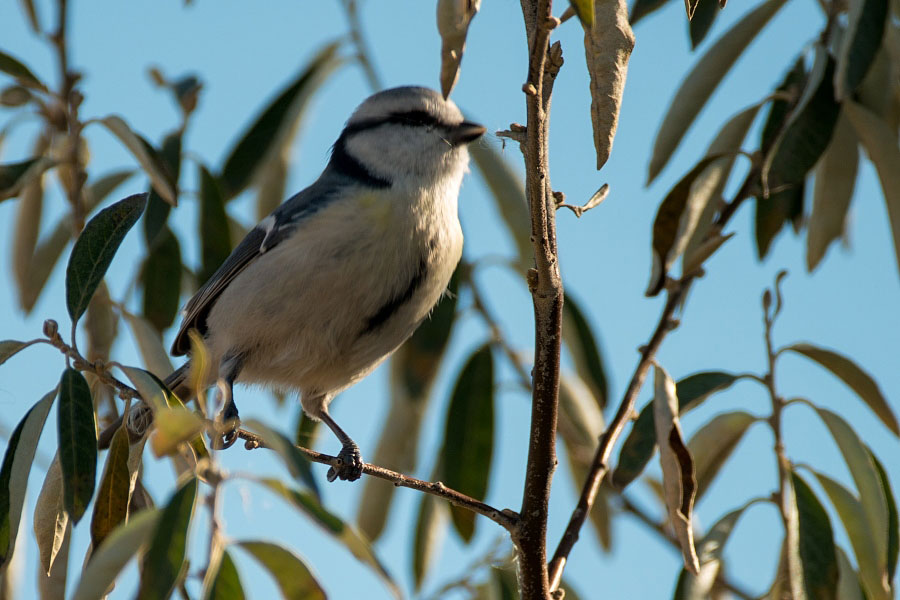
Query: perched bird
[(337, 277)]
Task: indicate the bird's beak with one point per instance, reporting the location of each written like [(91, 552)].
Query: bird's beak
[(465, 132)]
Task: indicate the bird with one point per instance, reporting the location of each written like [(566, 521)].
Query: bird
[(336, 278)]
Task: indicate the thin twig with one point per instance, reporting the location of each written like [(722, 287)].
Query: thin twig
[(506, 518)]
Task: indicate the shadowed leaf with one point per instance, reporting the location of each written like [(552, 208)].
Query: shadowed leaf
[(95, 248), (642, 8), (162, 564), (704, 15), (713, 444), (296, 463), (111, 507), (226, 583), (815, 543), (291, 574), (582, 344), (146, 156), (215, 243), (15, 176), (860, 43), (469, 436), (158, 209), (16, 69), (14, 472), (9, 348), (161, 281), (77, 442), (431, 525)]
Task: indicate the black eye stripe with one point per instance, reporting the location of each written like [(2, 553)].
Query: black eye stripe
[(412, 118)]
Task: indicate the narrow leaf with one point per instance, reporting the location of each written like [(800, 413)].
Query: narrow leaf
[(453, 19), (702, 81), (855, 378), (893, 524), (774, 212), (608, 43), (148, 160), (881, 147), (816, 543), (226, 583), (117, 549), (642, 8), (584, 9), (161, 280), (641, 441), (77, 442), (9, 348), (431, 525), (214, 240), (149, 344), (52, 526), (163, 561), (14, 472), (849, 587), (679, 483), (114, 494), (95, 248), (293, 577), (173, 427), (272, 181), (15, 176), (833, 190), (14, 68), (582, 344), (713, 444), (860, 44), (275, 124), (296, 463), (158, 209), (469, 436), (705, 14), (27, 227)]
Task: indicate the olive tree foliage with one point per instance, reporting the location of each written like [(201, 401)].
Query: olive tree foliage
[(842, 93)]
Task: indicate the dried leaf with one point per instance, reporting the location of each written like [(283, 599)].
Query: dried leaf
[(26, 230), (679, 483), (149, 162), (607, 45), (702, 81), (453, 20)]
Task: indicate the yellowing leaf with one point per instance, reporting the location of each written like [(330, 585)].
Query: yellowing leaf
[(174, 426), (293, 577)]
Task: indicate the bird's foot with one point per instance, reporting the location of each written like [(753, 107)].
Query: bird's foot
[(349, 465), (228, 434)]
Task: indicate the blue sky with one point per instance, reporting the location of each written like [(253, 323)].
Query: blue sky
[(244, 53)]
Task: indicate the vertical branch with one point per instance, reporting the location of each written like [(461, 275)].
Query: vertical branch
[(547, 294), (777, 406)]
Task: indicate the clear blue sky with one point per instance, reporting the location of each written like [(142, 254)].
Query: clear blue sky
[(243, 52)]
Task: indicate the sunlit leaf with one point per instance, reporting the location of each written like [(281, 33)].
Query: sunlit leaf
[(453, 19), (641, 441), (832, 192), (174, 426), (52, 526), (582, 344), (95, 248), (294, 579), (163, 561), (860, 43), (161, 295), (431, 525), (893, 521), (815, 543), (849, 587), (584, 9), (858, 380), (16, 69), (17, 460), (77, 442), (15, 176), (469, 436), (296, 463), (608, 43), (702, 81), (276, 122), (679, 483), (149, 161), (152, 392), (881, 147), (117, 549), (713, 444), (226, 583), (114, 493)]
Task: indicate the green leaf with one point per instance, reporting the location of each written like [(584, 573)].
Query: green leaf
[(582, 344), (865, 476), (585, 11), (893, 533), (14, 68), (431, 524), (881, 147), (293, 577), (161, 281), (111, 507), (9, 348), (214, 239), (772, 213), (713, 444), (469, 436), (804, 138), (852, 515), (785, 98), (856, 379), (146, 156), (15, 176), (297, 464), (152, 391), (95, 248), (860, 44), (702, 81), (226, 585), (110, 558), (642, 8), (158, 209), (674, 223), (77, 442), (815, 543), (509, 193), (641, 441), (705, 14), (342, 532), (162, 564), (276, 123), (849, 587), (832, 192), (14, 472)]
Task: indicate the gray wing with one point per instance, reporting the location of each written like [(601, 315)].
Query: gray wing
[(262, 238)]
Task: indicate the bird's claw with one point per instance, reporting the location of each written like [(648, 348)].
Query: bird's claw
[(349, 464)]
